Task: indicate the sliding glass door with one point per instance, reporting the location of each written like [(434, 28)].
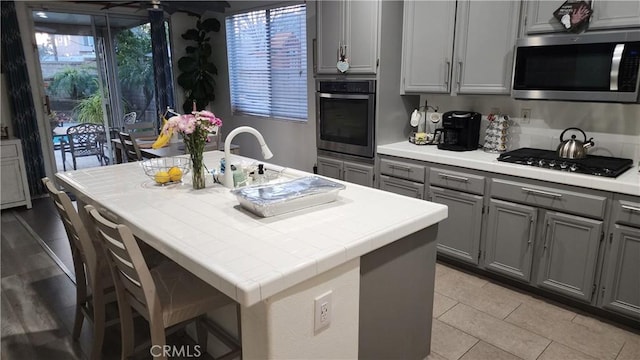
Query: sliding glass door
[(93, 69)]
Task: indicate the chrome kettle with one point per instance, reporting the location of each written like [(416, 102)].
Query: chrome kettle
[(572, 148)]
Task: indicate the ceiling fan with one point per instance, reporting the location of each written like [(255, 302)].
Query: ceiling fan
[(195, 8)]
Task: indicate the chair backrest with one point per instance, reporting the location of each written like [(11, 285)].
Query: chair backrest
[(86, 136), (129, 118), (131, 275), (82, 247), (142, 129), (130, 146)]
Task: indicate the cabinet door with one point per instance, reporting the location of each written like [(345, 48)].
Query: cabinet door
[(485, 38), (509, 241), (361, 36), (358, 173), (427, 47), (567, 263), (12, 190), (459, 234), (615, 14), (540, 19), (402, 187), (330, 167), (330, 19), (621, 286)]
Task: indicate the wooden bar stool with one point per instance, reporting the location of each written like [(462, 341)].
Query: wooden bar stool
[(94, 284), (168, 296)]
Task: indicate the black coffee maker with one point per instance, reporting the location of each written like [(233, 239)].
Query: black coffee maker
[(461, 131)]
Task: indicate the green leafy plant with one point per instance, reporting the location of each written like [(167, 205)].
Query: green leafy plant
[(75, 83), (196, 69), (89, 110)]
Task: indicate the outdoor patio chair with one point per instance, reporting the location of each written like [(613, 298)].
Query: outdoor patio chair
[(83, 140), (129, 118)]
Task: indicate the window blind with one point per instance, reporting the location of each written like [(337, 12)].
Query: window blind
[(267, 55)]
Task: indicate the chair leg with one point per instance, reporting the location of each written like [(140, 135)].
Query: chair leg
[(201, 334), (158, 340), (64, 160), (74, 163), (81, 293), (99, 324)]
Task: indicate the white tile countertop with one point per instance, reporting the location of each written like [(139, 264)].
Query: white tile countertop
[(627, 183), (247, 257)]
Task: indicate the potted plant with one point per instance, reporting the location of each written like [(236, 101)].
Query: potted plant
[(196, 69)]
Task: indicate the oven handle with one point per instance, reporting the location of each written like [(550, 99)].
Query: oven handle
[(344, 96)]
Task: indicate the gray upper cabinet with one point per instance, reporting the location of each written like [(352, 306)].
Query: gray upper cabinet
[(485, 38), (351, 26), (481, 60), (427, 46), (510, 239), (567, 263), (459, 233), (606, 15)]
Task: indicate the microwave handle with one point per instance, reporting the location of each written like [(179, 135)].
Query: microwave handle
[(616, 58), (343, 96)]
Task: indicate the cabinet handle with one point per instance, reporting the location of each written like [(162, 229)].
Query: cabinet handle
[(446, 72), (453, 177), (400, 167), (540, 192), (459, 75), (631, 208), (402, 186), (315, 56)]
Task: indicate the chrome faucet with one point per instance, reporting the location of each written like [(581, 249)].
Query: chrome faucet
[(266, 153)]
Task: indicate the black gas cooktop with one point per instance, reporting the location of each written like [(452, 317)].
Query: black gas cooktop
[(548, 159)]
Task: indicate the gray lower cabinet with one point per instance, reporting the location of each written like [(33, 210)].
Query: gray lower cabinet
[(510, 237), (567, 262), (349, 171), (401, 186), (459, 233), (620, 282)]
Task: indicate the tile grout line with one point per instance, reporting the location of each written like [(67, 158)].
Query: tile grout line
[(45, 247)]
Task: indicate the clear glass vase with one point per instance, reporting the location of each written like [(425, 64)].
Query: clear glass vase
[(197, 165)]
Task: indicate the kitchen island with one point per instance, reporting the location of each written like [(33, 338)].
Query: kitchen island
[(373, 251)]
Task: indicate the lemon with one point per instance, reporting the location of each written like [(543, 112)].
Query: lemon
[(175, 174), (162, 177)]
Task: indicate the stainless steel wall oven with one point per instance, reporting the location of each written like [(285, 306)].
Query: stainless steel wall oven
[(346, 116)]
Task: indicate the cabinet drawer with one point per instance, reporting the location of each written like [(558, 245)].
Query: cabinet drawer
[(9, 151), (627, 211), (402, 170), (457, 180), (551, 198), (402, 187)]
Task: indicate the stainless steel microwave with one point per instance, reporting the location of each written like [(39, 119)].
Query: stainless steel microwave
[(600, 67)]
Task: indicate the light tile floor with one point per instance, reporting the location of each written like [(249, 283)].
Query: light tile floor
[(475, 318)]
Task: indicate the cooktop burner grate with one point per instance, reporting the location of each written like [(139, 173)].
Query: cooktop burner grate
[(592, 164)]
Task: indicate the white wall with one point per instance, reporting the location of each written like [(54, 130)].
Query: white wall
[(292, 142), (614, 127)]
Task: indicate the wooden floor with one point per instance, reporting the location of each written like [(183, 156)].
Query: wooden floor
[(38, 296)]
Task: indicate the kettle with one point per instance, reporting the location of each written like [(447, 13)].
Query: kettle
[(572, 148)]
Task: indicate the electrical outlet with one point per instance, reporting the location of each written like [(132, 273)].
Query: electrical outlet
[(323, 310), (525, 115)]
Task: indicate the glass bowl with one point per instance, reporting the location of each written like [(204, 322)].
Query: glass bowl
[(167, 170)]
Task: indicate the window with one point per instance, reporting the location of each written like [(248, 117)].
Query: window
[(267, 54)]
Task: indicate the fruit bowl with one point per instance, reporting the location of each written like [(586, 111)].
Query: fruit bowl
[(167, 170)]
